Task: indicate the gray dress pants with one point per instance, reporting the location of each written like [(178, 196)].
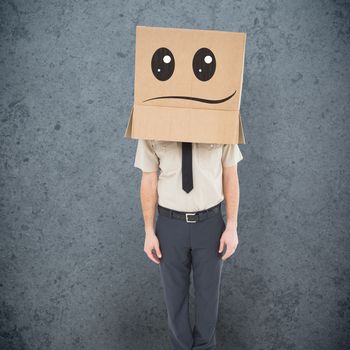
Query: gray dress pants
[(185, 246)]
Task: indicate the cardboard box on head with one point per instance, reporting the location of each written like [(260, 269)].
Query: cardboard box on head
[(188, 86)]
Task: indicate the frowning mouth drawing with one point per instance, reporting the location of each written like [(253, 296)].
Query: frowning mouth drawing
[(197, 99)]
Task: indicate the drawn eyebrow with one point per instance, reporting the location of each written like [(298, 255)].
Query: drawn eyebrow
[(198, 99)]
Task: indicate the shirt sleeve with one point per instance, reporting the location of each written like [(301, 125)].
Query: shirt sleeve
[(145, 158), (231, 155)]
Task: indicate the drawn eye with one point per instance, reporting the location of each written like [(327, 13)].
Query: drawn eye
[(163, 64), (204, 64)]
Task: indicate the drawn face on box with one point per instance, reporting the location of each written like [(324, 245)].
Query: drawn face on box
[(189, 68)]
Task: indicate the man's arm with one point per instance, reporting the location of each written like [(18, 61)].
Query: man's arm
[(231, 194), (147, 160), (149, 199)]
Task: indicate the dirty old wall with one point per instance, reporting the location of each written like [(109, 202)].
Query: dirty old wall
[(73, 272)]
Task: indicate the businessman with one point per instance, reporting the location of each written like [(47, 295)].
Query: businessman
[(186, 184)]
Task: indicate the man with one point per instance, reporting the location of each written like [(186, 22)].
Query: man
[(189, 231)]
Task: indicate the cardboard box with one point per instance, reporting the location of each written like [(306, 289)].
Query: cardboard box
[(188, 86)]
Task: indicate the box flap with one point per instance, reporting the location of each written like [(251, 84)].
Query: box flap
[(128, 129), (185, 124), (241, 138)]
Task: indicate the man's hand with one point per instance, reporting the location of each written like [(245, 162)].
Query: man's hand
[(152, 247), (229, 238)]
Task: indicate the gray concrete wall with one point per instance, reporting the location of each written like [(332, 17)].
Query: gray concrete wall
[(73, 272)]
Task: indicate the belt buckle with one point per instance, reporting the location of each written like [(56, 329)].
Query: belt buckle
[(190, 221)]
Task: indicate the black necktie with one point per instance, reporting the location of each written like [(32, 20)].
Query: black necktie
[(187, 179)]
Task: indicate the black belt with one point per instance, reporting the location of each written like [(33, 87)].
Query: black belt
[(191, 217)]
